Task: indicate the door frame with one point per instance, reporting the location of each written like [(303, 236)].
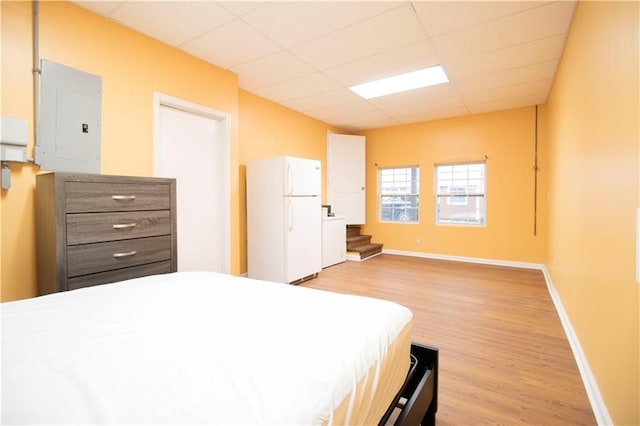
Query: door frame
[(223, 135)]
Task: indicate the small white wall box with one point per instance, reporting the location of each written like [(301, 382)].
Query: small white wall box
[(14, 133)]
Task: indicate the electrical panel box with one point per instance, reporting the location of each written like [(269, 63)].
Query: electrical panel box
[(69, 130)]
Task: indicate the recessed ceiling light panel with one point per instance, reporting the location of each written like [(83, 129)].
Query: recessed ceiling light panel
[(402, 83)]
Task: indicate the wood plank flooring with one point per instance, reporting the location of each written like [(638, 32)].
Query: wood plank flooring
[(504, 356)]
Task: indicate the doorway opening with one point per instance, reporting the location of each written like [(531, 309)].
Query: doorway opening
[(192, 145)]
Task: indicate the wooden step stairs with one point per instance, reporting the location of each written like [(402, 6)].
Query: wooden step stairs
[(360, 246)]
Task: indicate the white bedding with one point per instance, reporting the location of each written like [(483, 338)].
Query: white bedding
[(190, 347)]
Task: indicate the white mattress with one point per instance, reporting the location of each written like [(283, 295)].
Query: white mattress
[(190, 347)]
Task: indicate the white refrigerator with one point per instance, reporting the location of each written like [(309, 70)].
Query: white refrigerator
[(284, 219)]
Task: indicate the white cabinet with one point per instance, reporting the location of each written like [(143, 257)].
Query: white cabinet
[(334, 240)]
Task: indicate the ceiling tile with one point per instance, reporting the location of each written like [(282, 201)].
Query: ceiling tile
[(231, 45), (535, 88), (454, 102), (436, 114), (100, 7), (395, 28), (350, 108), (529, 73), (532, 24), (270, 69), (240, 8), (404, 59), (322, 100), (292, 23), (172, 22), (304, 54), (502, 104), (297, 88), (442, 17), (418, 96), (368, 120), (511, 57)]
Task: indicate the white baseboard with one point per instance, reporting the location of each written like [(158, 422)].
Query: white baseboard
[(356, 256), (466, 259), (591, 386)]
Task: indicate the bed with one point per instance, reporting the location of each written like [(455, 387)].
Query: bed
[(208, 348)]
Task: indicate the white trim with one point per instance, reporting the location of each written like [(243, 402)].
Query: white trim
[(591, 386), (224, 134), (354, 257), (465, 259)]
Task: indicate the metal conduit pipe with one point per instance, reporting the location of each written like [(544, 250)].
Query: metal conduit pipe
[(37, 71)]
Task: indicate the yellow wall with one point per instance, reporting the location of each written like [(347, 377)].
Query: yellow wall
[(593, 136), (271, 130), (132, 67), (507, 139), (589, 178)]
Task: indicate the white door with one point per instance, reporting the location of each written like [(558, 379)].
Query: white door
[(346, 176), (190, 147)]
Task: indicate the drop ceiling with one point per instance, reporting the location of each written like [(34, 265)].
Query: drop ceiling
[(304, 55)]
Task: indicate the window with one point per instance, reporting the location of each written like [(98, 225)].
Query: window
[(461, 200), (460, 193), (398, 189)]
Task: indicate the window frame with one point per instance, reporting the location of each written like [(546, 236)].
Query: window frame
[(455, 199), (414, 192)]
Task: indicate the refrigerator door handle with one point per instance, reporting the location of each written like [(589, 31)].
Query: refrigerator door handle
[(290, 179), (290, 214)]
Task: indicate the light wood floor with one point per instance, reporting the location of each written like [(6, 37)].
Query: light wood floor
[(504, 357)]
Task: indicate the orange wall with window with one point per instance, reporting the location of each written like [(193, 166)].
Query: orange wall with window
[(593, 120), (507, 140)]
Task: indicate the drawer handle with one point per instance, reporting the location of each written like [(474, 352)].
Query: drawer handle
[(125, 254), (123, 197), (124, 225)]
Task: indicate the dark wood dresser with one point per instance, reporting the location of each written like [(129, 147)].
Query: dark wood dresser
[(97, 229)]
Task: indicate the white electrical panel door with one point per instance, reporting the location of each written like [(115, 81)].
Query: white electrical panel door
[(69, 130)]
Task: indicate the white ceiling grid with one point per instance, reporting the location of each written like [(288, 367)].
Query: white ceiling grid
[(304, 55)]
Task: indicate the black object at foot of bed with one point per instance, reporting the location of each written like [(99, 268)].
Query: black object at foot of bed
[(418, 398)]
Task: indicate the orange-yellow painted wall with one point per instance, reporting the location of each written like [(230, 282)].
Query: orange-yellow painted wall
[(589, 180), (132, 67), (271, 130), (507, 140), (593, 137)]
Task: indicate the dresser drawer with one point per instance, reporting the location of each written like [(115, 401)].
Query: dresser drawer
[(84, 197), (99, 257), (84, 228), (119, 275)]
